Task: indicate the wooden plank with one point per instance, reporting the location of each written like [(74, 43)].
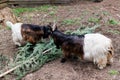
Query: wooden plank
[(3, 3), (40, 0), (28, 0), (3, 0), (37, 1), (25, 2)]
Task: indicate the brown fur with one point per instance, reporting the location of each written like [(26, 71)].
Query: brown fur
[(102, 63), (34, 33), (31, 36), (76, 50), (110, 55)]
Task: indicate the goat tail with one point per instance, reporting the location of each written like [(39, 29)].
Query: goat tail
[(9, 24)]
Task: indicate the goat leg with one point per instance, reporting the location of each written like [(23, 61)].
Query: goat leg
[(66, 55), (63, 60)]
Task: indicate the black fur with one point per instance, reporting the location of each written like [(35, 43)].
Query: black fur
[(71, 45), (61, 38), (33, 27), (47, 29), (33, 33)]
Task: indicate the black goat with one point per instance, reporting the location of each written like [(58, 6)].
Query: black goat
[(92, 47), (69, 44)]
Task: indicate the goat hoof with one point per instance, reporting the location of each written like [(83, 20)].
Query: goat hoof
[(16, 46), (58, 47), (63, 60), (101, 66), (75, 57)]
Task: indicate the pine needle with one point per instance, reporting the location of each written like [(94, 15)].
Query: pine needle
[(10, 70)]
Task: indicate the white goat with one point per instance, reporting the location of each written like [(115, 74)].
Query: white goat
[(28, 32), (99, 49)]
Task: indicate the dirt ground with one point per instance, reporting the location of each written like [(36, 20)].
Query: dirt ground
[(73, 70)]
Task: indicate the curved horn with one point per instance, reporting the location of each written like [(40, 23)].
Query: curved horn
[(54, 26)]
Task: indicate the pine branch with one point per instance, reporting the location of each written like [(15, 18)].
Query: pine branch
[(11, 70)]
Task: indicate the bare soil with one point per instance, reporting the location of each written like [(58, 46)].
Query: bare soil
[(73, 70)]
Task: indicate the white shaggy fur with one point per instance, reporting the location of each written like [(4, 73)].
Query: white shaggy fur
[(16, 32), (96, 47)]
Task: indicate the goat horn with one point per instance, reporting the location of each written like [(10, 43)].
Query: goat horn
[(54, 25)]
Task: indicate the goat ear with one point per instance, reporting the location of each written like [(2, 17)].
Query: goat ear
[(54, 28)]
